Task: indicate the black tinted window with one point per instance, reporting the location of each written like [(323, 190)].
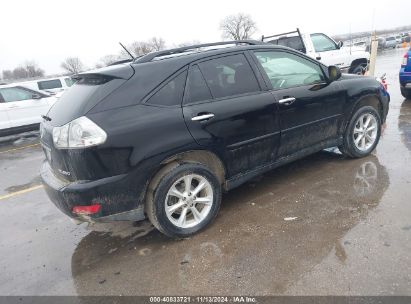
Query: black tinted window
[(196, 88), (49, 84), (293, 42), (227, 76), (172, 93)]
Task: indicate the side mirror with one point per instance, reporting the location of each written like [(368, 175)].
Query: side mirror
[(36, 96), (334, 73), (340, 44)]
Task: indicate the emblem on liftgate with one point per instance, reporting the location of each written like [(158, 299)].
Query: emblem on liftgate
[(64, 172)]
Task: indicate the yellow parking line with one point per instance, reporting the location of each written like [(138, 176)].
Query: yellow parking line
[(20, 192), (20, 148)]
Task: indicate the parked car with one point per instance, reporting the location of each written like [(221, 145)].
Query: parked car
[(390, 42), (21, 108), (398, 38), (381, 43), (352, 59), (406, 39), (405, 75), (55, 86), (164, 136)]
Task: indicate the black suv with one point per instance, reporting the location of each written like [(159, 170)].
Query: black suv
[(163, 136)]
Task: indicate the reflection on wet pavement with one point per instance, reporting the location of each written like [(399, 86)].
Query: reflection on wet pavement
[(250, 241), (26, 138), (404, 123)]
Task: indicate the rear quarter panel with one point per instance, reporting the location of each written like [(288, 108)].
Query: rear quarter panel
[(144, 135)]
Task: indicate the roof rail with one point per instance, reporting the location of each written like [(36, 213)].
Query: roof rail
[(151, 56)]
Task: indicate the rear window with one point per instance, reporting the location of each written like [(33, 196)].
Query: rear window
[(49, 84), (294, 42), (390, 38), (82, 96)]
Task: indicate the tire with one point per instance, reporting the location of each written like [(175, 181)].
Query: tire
[(406, 93), (168, 222), (358, 70), (371, 135)]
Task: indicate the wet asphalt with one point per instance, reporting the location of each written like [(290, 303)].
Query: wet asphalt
[(324, 225)]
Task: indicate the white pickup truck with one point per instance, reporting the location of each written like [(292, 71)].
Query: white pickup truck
[(353, 59)]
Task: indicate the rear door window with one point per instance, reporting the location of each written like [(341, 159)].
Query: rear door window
[(49, 84), (229, 76), (196, 87), (170, 94)]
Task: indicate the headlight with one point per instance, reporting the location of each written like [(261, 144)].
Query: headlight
[(79, 133)]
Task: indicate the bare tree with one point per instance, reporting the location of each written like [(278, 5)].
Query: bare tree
[(139, 48), (238, 27), (187, 43), (7, 74), (72, 65), (29, 69), (158, 44), (19, 73), (109, 59), (33, 69)]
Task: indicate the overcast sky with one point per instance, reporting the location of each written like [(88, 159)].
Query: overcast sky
[(48, 31)]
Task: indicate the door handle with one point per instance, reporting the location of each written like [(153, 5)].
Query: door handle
[(12, 107), (287, 101), (202, 117)]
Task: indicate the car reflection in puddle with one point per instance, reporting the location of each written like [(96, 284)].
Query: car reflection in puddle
[(250, 248), (404, 123)]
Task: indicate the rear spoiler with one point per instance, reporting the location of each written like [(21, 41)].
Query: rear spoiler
[(297, 31), (119, 71)]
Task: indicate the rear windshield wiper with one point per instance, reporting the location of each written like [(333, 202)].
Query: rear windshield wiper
[(46, 117)]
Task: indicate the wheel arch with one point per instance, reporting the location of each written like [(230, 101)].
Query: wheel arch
[(207, 158), (367, 100), (204, 157)]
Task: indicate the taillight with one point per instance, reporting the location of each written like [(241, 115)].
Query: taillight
[(80, 133), (86, 210), (405, 59)]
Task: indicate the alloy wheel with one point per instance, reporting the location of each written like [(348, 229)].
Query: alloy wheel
[(189, 201), (365, 132)]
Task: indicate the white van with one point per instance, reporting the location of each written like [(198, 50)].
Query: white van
[(52, 85)]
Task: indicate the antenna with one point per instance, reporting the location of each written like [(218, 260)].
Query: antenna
[(132, 57)]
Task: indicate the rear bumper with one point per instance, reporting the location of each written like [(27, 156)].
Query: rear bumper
[(118, 202)]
